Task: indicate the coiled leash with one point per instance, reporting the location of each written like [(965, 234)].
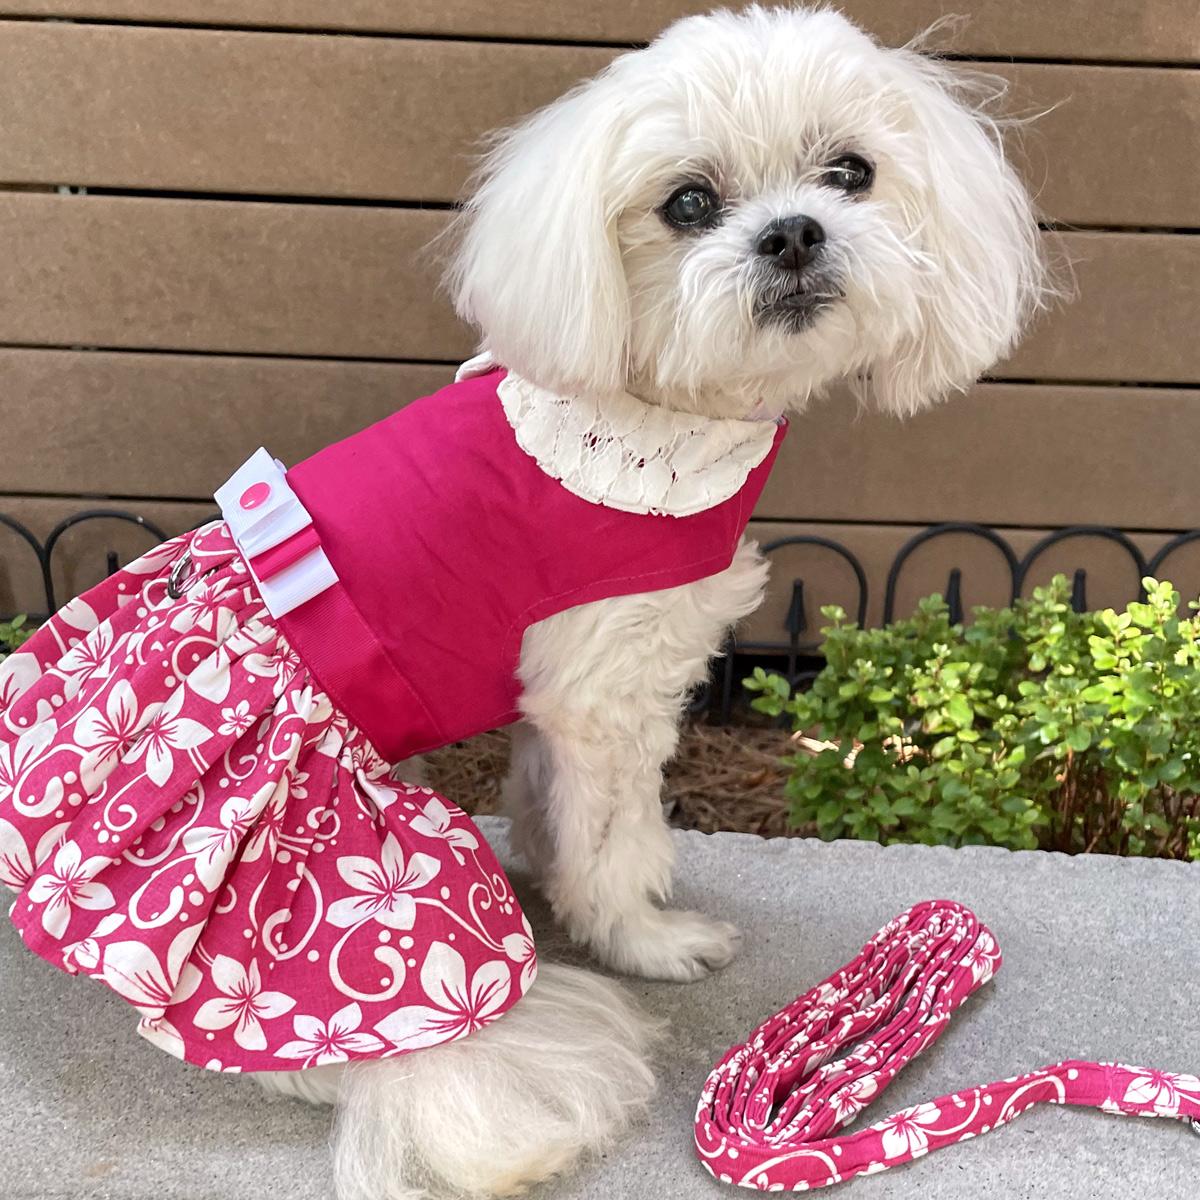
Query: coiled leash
[(770, 1111)]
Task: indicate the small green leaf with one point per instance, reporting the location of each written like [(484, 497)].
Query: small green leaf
[(1079, 738)]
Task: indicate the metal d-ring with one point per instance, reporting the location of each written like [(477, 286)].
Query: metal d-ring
[(178, 575)]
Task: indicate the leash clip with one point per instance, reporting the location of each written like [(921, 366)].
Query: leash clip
[(1195, 1123)]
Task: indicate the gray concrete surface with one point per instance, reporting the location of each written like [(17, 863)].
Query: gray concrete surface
[(1102, 960)]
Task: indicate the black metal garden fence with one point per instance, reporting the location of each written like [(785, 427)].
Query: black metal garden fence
[(798, 639)]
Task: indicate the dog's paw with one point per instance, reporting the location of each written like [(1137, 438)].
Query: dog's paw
[(667, 944)]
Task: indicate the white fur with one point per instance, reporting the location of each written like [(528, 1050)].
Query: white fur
[(563, 261), (512, 1104), (604, 687)]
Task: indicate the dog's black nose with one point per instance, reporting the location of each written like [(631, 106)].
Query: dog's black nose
[(791, 242)]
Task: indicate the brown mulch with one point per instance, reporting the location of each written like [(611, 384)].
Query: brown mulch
[(470, 773), (722, 778)]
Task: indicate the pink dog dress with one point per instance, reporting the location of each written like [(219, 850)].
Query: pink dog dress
[(197, 800)]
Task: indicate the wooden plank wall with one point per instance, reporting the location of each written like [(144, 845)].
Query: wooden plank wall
[(214, 216)]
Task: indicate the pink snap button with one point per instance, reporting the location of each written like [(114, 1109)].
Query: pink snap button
[(255, 495)]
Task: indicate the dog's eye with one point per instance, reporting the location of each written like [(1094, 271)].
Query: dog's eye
[(692, 207), (849, 173)]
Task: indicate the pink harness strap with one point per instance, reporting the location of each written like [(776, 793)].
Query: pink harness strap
[(770, 1110)]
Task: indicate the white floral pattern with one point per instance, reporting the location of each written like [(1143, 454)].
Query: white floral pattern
[(212, 847), (19, 755), (383, 887), (520, 949), (318, 1042), (1160, 1091), (185, 817), (16, 863), (852, 1098), (244, 1003), (165, 731), (235, 719), (150, 982), (435, 821), (106, 732), (459, 1007), (69, 882), (905, 1134)]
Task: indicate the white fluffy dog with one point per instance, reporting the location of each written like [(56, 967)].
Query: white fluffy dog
[(755, 207)]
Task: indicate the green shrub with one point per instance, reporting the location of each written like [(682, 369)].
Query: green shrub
[(1034, 726), (12, 634)]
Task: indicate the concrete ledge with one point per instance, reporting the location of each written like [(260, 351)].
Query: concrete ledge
[(1102, 960)]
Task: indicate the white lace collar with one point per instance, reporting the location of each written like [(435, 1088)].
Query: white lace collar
[(621, 452)]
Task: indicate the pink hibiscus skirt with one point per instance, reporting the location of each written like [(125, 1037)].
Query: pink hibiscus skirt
[(186, 817)]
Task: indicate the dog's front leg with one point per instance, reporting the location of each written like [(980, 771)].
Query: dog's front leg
[(595, 827), (604, 685)]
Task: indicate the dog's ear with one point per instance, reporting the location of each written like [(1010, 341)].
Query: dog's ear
[(974, 228), (534, 259)]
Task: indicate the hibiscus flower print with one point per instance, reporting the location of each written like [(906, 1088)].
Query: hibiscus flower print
[(318, 1042), (281, 666), (382, 888), (134, 971), (106, 734), (1159, 1091), (243, 1003), (78, 614), (268, 829), (214, 846), (85, 955), (16, 863), (202, 608), (904, 1134), (982, 958), (333, 739), (68, 883), (236, 719), (19, 757), (289, 662), (211, 678), (458, 1008), (18, 672), (520, 949), (312, 706), (298, 785), (850, 1099), (165, 731), (161, 1033), (87, 658), (435, 822)]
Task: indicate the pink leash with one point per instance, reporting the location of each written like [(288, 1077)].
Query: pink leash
[(770, 1111)]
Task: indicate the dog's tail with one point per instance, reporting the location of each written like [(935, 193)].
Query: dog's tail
[(559, 1075)]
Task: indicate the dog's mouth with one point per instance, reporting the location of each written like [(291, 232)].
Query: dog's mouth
[(797, 308)]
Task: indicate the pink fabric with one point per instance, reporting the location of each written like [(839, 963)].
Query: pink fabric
[(186, 817), (279, 558), (769, 1112), (449, 542)]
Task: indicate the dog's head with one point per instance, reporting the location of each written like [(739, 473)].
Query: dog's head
[(755, 206)]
